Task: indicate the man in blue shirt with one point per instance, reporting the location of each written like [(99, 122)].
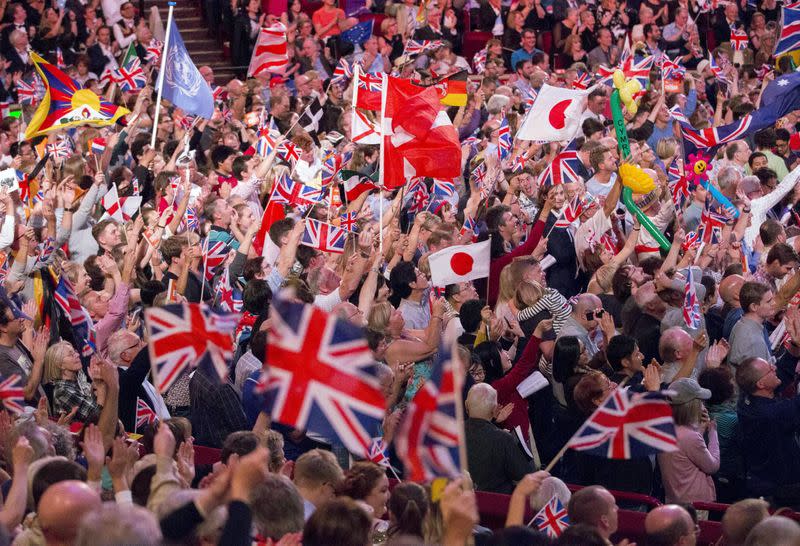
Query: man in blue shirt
[(528, 49)]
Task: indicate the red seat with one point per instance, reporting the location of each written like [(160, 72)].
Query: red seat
[(310, 6), (546, 42), (377, 19), (206, 455), (711, 40)]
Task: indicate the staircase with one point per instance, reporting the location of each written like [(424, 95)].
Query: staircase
[(203, 49)]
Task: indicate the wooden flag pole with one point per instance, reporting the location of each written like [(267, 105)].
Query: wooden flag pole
[(160, 85)]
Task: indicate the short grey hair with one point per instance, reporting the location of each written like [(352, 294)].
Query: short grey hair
[(481, 401), (551, 487), (496, 103), (277, 507), (774, 531), (728, 176), (117, 343), (118, 524)]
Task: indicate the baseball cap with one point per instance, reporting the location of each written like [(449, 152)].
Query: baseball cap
[(686, 389)]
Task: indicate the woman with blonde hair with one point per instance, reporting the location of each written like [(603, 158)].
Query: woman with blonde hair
[(70, 389)]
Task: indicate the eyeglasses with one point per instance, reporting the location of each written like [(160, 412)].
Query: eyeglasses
[(772, 369)]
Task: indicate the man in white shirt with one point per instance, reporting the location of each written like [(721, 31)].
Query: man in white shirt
[(125, 29), (605, 172)]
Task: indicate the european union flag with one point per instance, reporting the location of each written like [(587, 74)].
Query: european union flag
[(359, 33), (183, 85)]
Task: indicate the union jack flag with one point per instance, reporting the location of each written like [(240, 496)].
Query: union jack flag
[(470, 226), (214, 256), (294, 193), (265, 143), (738, 39), (370, 83), (518, 163), (576, 207), (710, 137), (322, 376), (343, 72), (26, 93), (529, 97), (479, 61), (107, 77), (45, 249), (347, 221), (377, 453), (504, 140), (672, 70), (678, 185), (144, 415), (69, 304), (639, 70), (711, 223), (4, 266), (628, 426), (230, 297), (552, 518), (563, 169), (693, 240), (428, 438), (479, 173), (59, 149), (420, 198), (192, 223), (188, 335), (219, 93), (153, 51), (583, 81), (790, 29), (715, 69), (691, 307), (288, 152), (12, 391), (131, 76), (444, 188), (332, 164), (417, 48), (324, 237)]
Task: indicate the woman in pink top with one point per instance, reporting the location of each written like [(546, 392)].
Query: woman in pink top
[(328, 19), (686, 473)]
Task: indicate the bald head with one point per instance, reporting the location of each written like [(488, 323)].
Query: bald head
[(594, 506), (669, 525), (740, 518), (775, 531), (674, 344), (62, 507), (729, 289)]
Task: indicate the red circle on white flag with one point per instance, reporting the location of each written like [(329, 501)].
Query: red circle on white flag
[(557, 117), (461, 263)]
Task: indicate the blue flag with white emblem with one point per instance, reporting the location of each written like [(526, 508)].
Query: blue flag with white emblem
[(183, 85)]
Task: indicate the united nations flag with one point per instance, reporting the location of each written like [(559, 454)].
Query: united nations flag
[(183, 85)]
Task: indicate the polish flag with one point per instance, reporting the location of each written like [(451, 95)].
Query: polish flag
[(555, 114), (418, 137), (460, 263)]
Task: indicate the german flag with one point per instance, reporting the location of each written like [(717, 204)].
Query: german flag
[(453, 89)]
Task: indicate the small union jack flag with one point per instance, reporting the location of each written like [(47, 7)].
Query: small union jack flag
[(563, 169), (229, 295), (479, 61), (26, 93), (342, 73), (188, 335), (59, 149), (131, 77), (82, 325), (192, 223), (153, 51), (518, 163), (444, 188), (377, 453), (470, 226), (479, 173), (370, 83), (290, 192), (219, 93), (678, 185), (107, 77), (691, 307), (504, 140), (693, 240), (289, 152), (739, 39), (332, 164), (347, 221), (144, 415), (711, 223), (583, 81), (324, 237), (418, 48), (715, 69), (552, 518), (672, 70), (428, 438), (213, 257), (322, 376), (628, 425), (12, 391)]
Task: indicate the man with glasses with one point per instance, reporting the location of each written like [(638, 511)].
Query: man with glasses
[(670, 525), (587, 323), (15, 358), (128, 352), (782, 149), (455, 296), (769, 428)]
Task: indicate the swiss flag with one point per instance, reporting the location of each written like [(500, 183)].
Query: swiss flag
[(418, 137), (555, 114), (460, 263)]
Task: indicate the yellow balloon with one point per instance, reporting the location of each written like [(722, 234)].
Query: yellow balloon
[(636, 179)]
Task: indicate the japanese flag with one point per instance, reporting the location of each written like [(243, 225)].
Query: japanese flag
[(460, 263), (555, 114)]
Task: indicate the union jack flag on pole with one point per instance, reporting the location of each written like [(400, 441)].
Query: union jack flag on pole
[(131, 77), (295, 193), (504, 140), (678, 185), (324, 237), (213, 257), (429, 436), (739, 39), (12, 392), (691, 307), (144, 415), (377, 453), (79, 319), (188, 335), (552, 518), (322, 376), (628, 426), (563, 169)]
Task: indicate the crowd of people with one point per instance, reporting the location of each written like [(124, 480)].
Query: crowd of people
[(95, 451)]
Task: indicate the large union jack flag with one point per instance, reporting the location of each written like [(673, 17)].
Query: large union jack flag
[(322, 376), (324, 237), (691, 307), (628, 426), (790, 30), (295, 193), (710, 137), (188, 334), (12, 392), (429, 435), (552, 518)]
